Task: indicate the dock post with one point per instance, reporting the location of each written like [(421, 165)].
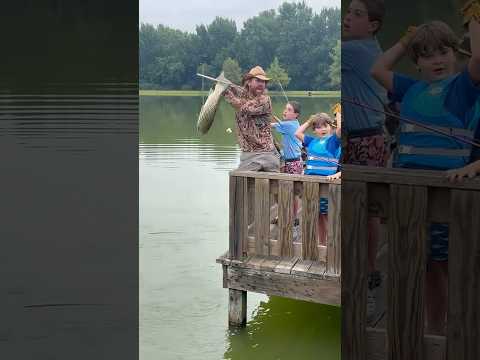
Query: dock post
[(237, 307)]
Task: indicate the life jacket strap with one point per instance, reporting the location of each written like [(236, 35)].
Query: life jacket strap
[(413, 150), (412, 128)]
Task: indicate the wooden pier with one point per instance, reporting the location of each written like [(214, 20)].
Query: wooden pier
[(278, 259), (409, 200)]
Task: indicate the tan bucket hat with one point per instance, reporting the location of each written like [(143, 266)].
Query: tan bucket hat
[(258, 72)]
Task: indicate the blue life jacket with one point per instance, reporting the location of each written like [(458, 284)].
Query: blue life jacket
[(425, 149), (323, 155)]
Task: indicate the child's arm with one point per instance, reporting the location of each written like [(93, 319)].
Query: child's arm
[(382, 69), (467, 171), (301, 130), (338, 131), (471, 15)]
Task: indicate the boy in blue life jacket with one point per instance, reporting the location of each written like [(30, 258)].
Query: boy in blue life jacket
[(323, 156), (443, 99)]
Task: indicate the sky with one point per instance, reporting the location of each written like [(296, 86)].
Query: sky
[(186, 14)]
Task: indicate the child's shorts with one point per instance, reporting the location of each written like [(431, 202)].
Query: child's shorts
[(323, 203), (439, 242)]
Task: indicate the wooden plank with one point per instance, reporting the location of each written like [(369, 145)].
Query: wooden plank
[(248, 193), (285, 285), (285, 217), (317, 269), (435, 347), (301, 267), (334, 247), (354, 276), (262, 216), (285, 265), (429, 178), (237, 307), (463, 280), (280, 176), (254, 262), (405, 285), (270, 263), (237, 231), (223, 259), (310, 209)]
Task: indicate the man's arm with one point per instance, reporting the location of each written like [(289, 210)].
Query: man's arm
[(233, 97)]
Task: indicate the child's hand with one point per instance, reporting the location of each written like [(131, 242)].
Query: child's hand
[(336, 176), (408, 36), (469, 171), (470, 9), (336, 108)]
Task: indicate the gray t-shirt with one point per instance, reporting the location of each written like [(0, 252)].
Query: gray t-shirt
[(358, 57)]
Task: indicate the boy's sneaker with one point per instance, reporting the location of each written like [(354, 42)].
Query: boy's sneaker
[(375, 298), (297, 234)]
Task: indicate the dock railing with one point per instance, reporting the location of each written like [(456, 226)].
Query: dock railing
[(256, 198), (409, 200)]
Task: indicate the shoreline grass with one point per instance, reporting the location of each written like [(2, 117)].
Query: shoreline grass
[(300, 93)]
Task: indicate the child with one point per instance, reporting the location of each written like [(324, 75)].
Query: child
[(364, 136), (441, 99), (323, 156), (290, 144)]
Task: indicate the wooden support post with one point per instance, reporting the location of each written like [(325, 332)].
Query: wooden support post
[(354, 275), (406, 258), (237, 307)]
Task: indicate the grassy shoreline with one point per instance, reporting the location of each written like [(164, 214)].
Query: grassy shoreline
[(326, 94)]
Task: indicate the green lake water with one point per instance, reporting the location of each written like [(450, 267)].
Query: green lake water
[(184, 228)]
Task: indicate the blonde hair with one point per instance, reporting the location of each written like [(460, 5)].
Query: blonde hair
[(431, 36)]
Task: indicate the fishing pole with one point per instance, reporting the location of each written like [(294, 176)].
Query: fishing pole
[(433, 129), (219, 80), (283, 91)]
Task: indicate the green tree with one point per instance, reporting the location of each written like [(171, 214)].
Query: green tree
[(335, 67), (232, 70), (277, 74)]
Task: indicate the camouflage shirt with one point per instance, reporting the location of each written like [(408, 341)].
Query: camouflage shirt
[(253, 118)]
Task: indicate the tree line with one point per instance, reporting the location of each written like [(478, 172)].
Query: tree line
[(296, 46)]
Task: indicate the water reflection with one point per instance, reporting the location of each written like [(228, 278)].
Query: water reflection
[(287, 329)]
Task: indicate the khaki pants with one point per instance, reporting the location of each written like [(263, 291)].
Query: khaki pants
[(259, 161)]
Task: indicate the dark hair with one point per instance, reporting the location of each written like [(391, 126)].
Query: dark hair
[(296, 106), (432, 36), (375, 10)]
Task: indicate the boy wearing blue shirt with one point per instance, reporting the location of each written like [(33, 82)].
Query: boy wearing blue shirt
[(292, 147), (443, 100)]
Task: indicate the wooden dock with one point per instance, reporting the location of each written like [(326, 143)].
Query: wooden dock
[(409, 200), (280, 259)]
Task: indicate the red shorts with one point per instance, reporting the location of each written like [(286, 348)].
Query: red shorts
[(293, 167), (367, 151)]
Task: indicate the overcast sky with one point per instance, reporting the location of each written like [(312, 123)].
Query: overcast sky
[(186, 14)]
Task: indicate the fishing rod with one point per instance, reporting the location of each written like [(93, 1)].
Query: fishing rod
[(283, 91), (433, 129), (220, 81)]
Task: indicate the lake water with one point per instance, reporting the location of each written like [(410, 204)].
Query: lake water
[(184, 228)]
